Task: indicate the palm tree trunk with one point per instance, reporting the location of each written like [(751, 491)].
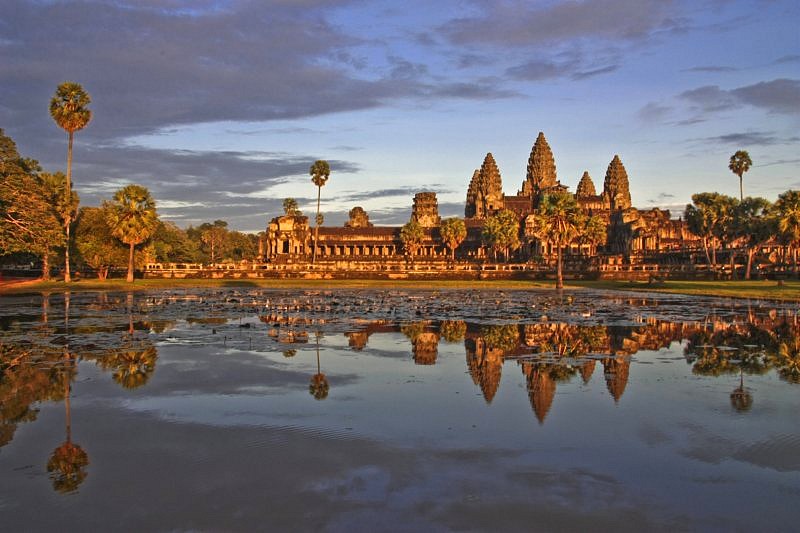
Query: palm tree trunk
[(750, 253), (130, 265), (741, 189), (316, 230), (559, 276), (68, 193), (733, 264)]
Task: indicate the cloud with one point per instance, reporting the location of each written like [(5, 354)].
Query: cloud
[(594, 72), (523, 23), (653, 112), (792, 58), (149, 68), (542, 69), (753, 138), (711, 68), (776, 96)]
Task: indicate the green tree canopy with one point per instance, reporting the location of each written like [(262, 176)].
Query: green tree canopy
[(453, 232), (96, 246), (412, 234), (290, 207), (132, 218), (561, 222), (501, 232)]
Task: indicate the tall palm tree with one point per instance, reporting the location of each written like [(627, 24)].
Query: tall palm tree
[(320, 172), (739, 164), (132, 218), (69, 111), (560, 221)]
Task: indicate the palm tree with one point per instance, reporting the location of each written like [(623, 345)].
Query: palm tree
[(787, 212), (501, 232), (412, 235), (132, 218), (320, 172), (69, 111), (739, 164), (453, 232), (561, 222)]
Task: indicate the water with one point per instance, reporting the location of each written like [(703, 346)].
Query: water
[(239, 409)]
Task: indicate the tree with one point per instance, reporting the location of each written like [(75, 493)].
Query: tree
[(412, 235), (453, 232), (754, 224), (95, 243), (132, 218), (501, 232), (787, 213), (560, 222), (29, 222), (63, 203), (320, 172), (290, 207), (709, 217), (214, 236), (739, 164), (68, 107), (173, 245)]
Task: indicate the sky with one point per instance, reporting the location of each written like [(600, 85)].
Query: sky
[(220, 108)]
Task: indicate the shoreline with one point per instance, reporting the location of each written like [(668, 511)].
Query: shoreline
[(761, 290)]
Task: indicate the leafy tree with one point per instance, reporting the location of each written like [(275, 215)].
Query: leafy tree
[(95, 243), (320, 172), (214, 236), (754, 224), (501, 232), (132, 218), (560, 222), (63, 203), (412, 235), (173, 245), (709, 217), (787, 213), (453, 231), (68, 107), (28, 220), (241, 246), (290, 207), (739, 164)]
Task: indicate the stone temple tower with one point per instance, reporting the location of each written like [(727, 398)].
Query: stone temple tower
[(541, 168), (585, 187), (426, 210), (616, 190), (485, 193)]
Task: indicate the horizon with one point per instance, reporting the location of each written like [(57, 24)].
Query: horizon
[(221, 109)]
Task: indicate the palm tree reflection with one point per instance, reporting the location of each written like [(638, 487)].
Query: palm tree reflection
[(318, 388), (68, 462)]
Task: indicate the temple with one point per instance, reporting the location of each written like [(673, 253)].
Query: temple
[(632, 236)]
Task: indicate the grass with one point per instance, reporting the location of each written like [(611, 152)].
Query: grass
[(789, 291)]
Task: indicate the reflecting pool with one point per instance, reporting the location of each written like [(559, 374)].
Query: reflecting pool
[(256, 409)]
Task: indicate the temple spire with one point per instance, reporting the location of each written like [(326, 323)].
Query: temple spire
[(616, 189), (585, 186), (541, 167)]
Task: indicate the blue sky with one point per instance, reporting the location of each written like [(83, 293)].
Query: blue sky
[(221, 107)]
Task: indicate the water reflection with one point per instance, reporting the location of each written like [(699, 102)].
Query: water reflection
[(68, 463), (40, 355)]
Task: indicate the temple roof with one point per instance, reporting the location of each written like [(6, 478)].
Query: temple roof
[(616, 187), (585, 186), (541, 164)]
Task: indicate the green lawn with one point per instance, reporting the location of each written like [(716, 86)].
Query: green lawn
[(790, 290)]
